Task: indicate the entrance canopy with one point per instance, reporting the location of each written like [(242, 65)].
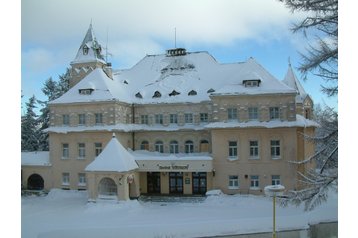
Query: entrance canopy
[(159, 162)]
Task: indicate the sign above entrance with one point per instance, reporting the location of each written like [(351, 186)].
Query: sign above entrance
[(175, 165)]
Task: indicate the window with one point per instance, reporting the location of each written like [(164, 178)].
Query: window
[(85, 50), (254, 181), (232, 113), (81, 179), (204, 146), (252, 83), (188, 117), (232, 149), (173, 118), (159, 146), (253, 113), (65, 151), (97, 148), (254, 149), (65, 178), (157, 94), (81, 150), (189, 146), (174, 147), (81, 119), (276, 179), (159, 119), (192, 93), (204, 117), (66, 119), (144, 119), (274, 113), (138, 95), (144, 145), (275, 149), (174, 93), (233, 182), (99, 118), (85, 91)]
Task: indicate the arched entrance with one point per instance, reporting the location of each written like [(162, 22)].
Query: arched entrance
[(107, 187), (35, 182)]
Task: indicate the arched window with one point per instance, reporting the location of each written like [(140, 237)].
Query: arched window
[(189, 146), (144, 145), (85, 50), (174, 147), (159, 146), (107, 187), (204, 146)]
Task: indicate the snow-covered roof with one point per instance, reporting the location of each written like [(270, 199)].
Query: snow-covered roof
[(114, 158), (93, 53), (299, 122), (149, 155), (36, 158), (292, 81), (176, 79)]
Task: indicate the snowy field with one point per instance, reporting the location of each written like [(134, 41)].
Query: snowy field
[(67, 214)]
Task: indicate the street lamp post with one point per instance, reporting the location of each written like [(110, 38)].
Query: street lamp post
[(273, 191)]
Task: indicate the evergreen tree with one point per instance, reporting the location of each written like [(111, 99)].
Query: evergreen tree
[(321, 59), (52, 90), (29, 127)]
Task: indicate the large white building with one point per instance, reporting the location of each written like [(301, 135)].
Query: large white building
[(174, 123)]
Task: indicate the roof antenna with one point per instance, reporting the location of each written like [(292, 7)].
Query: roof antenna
[(175, 38), (289, 61)]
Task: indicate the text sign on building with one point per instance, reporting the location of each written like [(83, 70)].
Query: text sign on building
[(173, 167)]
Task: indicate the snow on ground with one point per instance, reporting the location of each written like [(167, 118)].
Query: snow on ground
[(67, 214)]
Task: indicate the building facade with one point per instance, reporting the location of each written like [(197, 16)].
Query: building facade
[(176, 123)]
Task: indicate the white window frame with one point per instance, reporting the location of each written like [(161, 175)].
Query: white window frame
[(274, 113), (275, 179), (254, 149), (204, 117), (159, 119), (233, 182), (159, 146), (65, 151), (81, 151), (253, 113), (189, 146), (174, 147), (232, 114), (233, 151), (66, 179), (97, 148), (81, 119), (98, 118), (275, 150), (82, 181), (66, 120), (144, 119), (173, 118), (188, 118), (254, 182)]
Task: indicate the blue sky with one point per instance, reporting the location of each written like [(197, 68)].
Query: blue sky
[(232, 31)]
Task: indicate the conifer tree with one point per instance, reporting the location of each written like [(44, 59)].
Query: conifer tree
[(29, 127), (320, 59)]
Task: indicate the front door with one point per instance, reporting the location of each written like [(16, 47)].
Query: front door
[(176, 183), (153, 182), (199, 183)]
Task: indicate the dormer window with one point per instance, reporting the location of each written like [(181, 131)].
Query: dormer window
[(86, 91), (157, 94), (174, 93), (192, 93), (210, 90), (138, 95), (85, 50), (252, 83)]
